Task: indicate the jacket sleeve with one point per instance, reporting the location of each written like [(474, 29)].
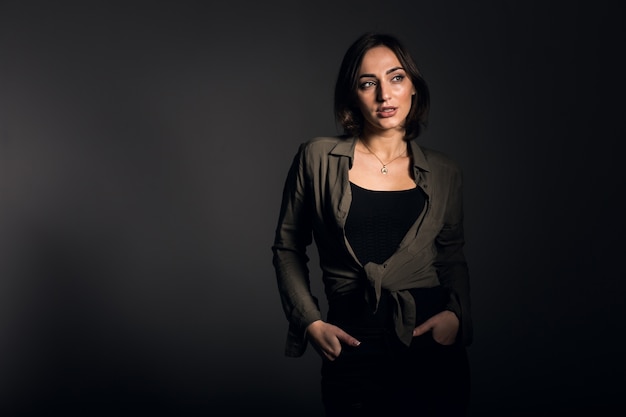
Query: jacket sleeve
[(293, 235), (450, 262)]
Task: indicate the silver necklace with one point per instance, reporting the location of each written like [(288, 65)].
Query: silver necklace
[(384, 169)]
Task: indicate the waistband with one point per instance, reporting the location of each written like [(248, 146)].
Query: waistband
[(352, 310)]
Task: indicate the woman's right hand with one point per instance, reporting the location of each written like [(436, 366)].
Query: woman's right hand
[(328, 339)]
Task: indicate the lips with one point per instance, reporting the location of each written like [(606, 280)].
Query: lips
[(384, 112)]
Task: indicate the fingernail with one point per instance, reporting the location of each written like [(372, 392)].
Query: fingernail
[(357, 343)]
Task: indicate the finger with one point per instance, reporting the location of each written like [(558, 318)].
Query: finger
[(330, 356), (333, 351), (423, 328), (347, 339)]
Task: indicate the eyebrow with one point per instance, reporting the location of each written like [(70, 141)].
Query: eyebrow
[(389, 71)]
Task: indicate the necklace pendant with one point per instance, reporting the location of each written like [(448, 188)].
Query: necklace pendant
[(384, 170)]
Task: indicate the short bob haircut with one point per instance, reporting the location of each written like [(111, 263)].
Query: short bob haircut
[(347, 112)]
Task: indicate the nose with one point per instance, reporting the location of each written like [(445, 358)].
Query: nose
[(383, 93)]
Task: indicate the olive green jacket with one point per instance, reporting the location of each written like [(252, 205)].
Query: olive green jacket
[(316, 201)]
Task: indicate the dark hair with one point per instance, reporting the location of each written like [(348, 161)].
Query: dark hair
[(347, 112)]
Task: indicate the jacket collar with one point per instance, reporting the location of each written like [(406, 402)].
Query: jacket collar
[(345, 147), (419, 159)]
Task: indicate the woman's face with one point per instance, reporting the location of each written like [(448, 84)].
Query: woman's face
[(384, 90)]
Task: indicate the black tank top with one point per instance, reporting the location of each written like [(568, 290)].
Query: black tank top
[(376, 224), (378, 221)]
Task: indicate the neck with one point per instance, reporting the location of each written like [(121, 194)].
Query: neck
[(384, 147)]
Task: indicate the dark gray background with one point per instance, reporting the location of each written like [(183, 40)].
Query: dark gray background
[(143, 147)]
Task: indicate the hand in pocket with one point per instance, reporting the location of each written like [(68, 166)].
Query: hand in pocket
[(444, 325)]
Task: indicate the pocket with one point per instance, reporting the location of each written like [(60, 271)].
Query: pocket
[(440, 345), (374, 341), (427, 342)]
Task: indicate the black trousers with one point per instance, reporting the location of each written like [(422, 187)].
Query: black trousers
[(383, 377)]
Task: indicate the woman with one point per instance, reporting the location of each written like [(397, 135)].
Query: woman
[(386, 215)]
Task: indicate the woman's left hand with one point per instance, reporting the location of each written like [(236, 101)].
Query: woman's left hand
[(445, 326)]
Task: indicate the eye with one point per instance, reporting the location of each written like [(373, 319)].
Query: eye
[(366, 85), (397, 78)]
